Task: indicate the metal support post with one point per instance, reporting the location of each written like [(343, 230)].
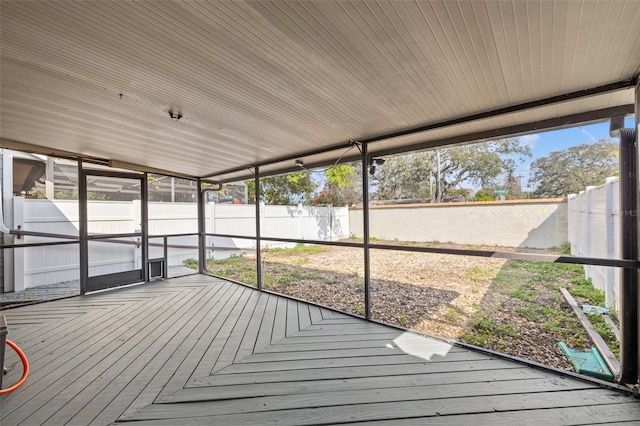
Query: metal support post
[(83, 229), (165, 255), (365, 231), (256, 179), (144, 221), (202, 258)]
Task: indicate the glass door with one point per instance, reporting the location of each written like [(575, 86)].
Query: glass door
[(115, 245)]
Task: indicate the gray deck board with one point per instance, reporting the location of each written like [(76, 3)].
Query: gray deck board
[(252, 390), (199, 349), (127, 371), (105, 361), (49, 368), (445, 399), (402, 409)]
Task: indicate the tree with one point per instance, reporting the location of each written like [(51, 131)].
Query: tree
[(570, 171), (416, 175), (342, 187), (289, 189), (404, 177), (484, 195)]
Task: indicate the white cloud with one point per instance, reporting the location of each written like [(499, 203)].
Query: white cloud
[(530, 140)]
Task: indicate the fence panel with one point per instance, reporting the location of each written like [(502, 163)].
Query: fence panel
[(50, 265), (594, 231)]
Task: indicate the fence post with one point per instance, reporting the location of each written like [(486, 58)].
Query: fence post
[(610, 244), (582, 223), (589, 211), (212, 217), (571, 220), (18, 254)]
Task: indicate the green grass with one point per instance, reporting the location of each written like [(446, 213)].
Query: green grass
[(532, 290), (480, 274), (452, 315), (300, 248), (190, 263), (239, 268), (564, 248), (581, 287), (233, 260), (605, 331), (275, 274)]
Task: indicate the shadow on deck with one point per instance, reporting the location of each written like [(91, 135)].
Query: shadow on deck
[(201, 350)]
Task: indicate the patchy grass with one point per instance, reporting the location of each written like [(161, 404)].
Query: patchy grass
[(524, 313), (478, 274), (191, 263), (239, 268), (605, 332), (452, 315), (299, 249), (583, 289)]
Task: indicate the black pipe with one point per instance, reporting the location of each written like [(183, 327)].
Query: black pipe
[(629, 237), (83, 230)]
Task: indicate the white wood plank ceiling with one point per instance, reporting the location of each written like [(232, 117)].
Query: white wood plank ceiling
[(261, 80)]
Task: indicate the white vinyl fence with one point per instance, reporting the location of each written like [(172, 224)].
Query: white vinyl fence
[(294, 222), (594, 231), (35, 266)]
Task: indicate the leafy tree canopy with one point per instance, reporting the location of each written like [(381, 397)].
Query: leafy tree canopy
[(570, 171), (343, 183), (290, 189), (415, 175)]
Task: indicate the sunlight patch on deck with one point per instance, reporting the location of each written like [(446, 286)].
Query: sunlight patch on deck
[(419, 346)]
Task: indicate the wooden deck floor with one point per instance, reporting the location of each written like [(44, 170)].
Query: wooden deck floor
[(198, 350)]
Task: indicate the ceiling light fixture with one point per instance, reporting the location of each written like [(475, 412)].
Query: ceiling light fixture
[(175, 116)]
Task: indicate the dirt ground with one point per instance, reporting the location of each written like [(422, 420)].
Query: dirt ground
[(456, 297), (416, 290)]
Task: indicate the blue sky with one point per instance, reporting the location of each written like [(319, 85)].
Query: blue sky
[(557, 140), (543, 143)]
